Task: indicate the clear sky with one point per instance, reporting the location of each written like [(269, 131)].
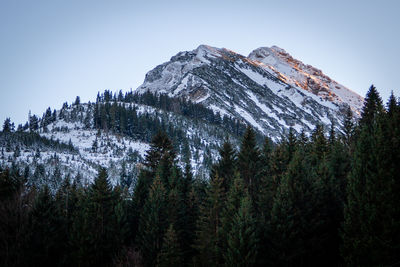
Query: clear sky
[(52, 51)]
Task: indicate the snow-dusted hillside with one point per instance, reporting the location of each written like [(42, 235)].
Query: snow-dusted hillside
[(269, 90), (86, 148)]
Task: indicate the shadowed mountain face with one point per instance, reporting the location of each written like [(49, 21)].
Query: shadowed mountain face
[(268, 89)]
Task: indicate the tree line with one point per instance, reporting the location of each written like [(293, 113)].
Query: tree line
[(306, 201), (115, 113)]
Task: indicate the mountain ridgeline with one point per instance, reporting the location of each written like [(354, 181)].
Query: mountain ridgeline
[(269, 90), (199, 98)]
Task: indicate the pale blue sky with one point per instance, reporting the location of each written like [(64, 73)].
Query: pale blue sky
[(52, 51)]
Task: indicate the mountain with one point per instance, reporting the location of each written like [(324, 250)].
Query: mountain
[(200, 98), (297, 74), (268, 89), (114, 132)]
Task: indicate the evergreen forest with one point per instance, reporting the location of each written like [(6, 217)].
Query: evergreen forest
[(309, 200)]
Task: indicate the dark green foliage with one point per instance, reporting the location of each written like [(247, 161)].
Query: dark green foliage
[(291, 215), (33, 140), (225, 167), (371, 223), (33, 123), (77, 101), (9, 184), (111, 114), (161, 153), (98, 225), (295, 203), (8, 126), (45, 241), (209, 229), (170, 254), (242, 239), (153, 222), (268, 185), (15, 206), (348, 127), (249, 163), (373, 107), (232, 205)]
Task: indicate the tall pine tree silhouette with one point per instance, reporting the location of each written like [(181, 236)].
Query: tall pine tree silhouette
[(249, 163), (153, 222), (371, 225)]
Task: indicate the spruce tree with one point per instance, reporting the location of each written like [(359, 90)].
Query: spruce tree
[(348, 127), (372, 107), (248, 163), (161, 149), (45, 231), (371, 229), (100, 222), (268, 185), (171, 253), (291, 215), (209, 227), (233, 201), (153, 222), (7, 125), (242, 238), (225, 166), (319, 145), (15, 226)]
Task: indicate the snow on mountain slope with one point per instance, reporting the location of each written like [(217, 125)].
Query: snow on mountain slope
[(86, 148), (296, 73), (269, 90), (92, 149)]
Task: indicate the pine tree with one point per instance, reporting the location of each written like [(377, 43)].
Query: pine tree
[(319, 145), (77, 101), (290, 145), (249, 163), (99, 222), (348, 127), (209, 227), (242, 238), (327, 211), (371, 229), (176, 204), (45, 231), (66, 200), (33, 123), (268, 185), (7, 125), (372, 108), (170, 254), (153, 222), (233, 201), (291, 216), (15, 230), (161, 149), (225, 166)]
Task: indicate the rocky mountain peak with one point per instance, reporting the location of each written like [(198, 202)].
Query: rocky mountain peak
[(307, 77), (269, 89)]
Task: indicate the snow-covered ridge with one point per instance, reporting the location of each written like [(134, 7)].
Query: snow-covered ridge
[(88, 148), (309, 78), (268, 89)]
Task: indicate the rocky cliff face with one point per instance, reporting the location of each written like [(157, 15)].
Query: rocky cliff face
[(268, 89), (297, 74)]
